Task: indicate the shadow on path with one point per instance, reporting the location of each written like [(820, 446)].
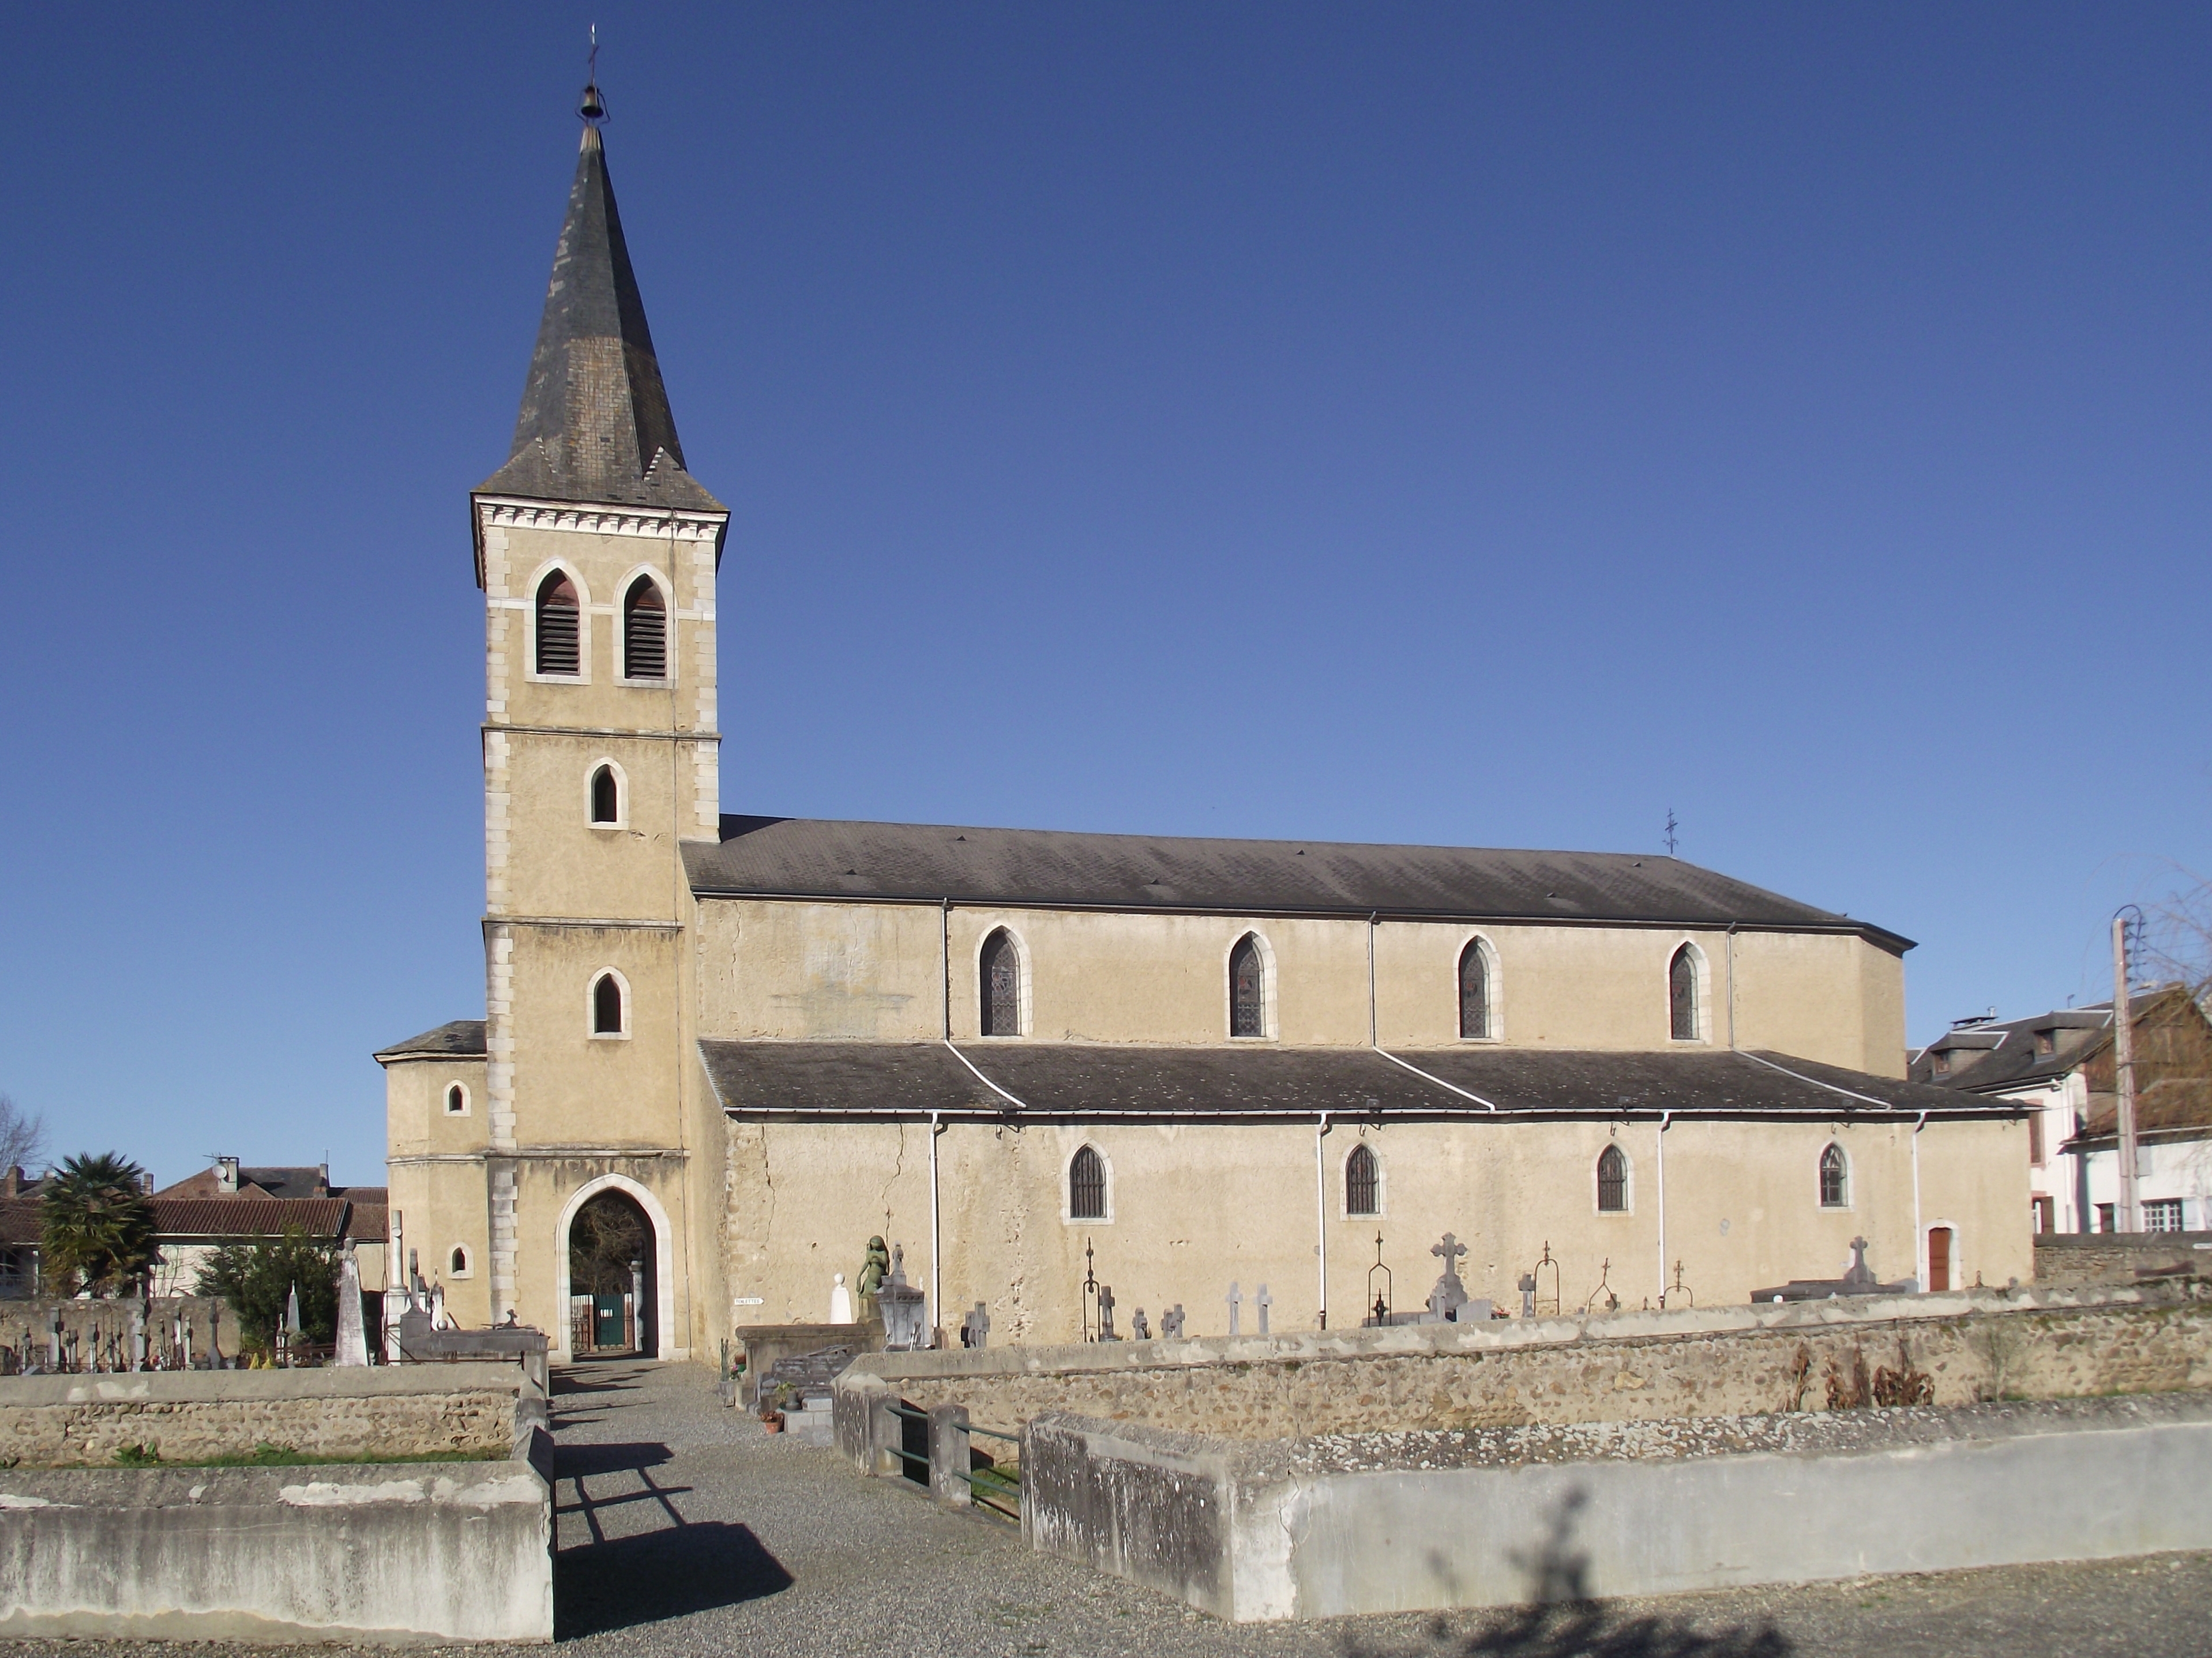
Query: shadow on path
[(623, 1581)]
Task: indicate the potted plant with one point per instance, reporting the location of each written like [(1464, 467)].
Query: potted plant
[(775, 1404)]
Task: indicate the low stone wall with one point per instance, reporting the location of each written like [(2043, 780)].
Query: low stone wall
[(2065, 1260), (1632, 1367), (390, 1553), (1401, 1522), (188, 1416)]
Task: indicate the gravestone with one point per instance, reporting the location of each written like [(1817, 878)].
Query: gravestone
[(1263, 1300), (1528, 1288), (1171, 1323), (1139, 1330), (976, 1327), (840, 1301), (1450, 1295), (1236, 1300), (904, 1308), (352, 1333), (1106, 1313)]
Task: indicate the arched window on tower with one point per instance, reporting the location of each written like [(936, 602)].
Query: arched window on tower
[(1682, 995), (1362, 1183), (1001, 1012), (645, 631), (1087, 1185), (1835, 1178), (1473, 990), (606, 796), (1612, 1181), (607, 1006), (1248, 989), (559, 626)]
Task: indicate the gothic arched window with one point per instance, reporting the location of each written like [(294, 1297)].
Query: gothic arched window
[(1248, 989), (1362, 1183), (1682, 995), (1612, 1181), (1473, 990), (645, 631), (1002, 986), (1087, 1185), (458, 1261), (1835, 1178), (559, 626), (607, 1006), (606, 797), (457, 1101)]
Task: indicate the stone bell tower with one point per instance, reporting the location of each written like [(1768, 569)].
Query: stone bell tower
[(597, 552)]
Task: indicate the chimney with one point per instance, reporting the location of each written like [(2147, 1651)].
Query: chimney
[(225, 1177), (323, 1180), (146, 1181), (13, 1185)]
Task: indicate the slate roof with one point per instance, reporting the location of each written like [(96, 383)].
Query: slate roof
[(821, 857), (1080, 1081), (457, 1039), (595, 426), (1999, 1055)]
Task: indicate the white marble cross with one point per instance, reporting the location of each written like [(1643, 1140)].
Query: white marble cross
[(1236, 1304), (1263, 1300)]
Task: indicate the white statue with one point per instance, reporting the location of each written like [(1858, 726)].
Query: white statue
[(840, 1302)]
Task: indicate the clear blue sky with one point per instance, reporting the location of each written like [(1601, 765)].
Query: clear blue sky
[(1450, 424)]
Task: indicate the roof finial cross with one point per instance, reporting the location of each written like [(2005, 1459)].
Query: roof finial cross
[(593, 108)]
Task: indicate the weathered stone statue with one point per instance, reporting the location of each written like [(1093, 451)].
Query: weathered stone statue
[(873, 1271)]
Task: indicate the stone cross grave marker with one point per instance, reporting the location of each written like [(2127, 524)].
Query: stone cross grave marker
[(1450, 1295), (1263, 1300), (1236, 1300), (976, 1327), (1139, 1330), (1106, 1313), (1171, 1323)]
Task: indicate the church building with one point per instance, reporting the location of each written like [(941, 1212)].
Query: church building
[(721, 1052)]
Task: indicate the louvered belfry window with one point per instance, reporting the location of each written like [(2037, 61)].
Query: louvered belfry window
[(1612, 1181), (1682, 995), (645, 632), (1002, 986), (1474, 991), (558, 620), (1362, 1183), (1087, 1185), (1248, 989)]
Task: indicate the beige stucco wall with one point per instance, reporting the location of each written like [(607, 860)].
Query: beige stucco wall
[(1193, 1207), (785, 970)]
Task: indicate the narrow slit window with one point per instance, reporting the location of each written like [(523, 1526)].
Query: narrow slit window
[(1612, 1181), (645, 632), (1362, 1183), (1087, 1185), (1474, 991), (1002, 986), (606, 797), (1682, 995), (607, 1006), (1248, 989), (1835, 1179), (559, 626)]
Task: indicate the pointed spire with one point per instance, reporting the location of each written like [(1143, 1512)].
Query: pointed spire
[(595, 425)]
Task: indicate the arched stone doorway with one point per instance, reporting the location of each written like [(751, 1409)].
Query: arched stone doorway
[(614, 1284)]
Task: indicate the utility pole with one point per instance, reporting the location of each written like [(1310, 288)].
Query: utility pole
[(2128, 1219)]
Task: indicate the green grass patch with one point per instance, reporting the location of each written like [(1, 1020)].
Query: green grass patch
[(266, 1455)]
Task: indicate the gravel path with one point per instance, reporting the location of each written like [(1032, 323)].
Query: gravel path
[(684, 1529)]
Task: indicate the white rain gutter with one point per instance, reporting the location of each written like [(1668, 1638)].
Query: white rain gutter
[(936, 1238), (1665, 1117), (1321, 1215)]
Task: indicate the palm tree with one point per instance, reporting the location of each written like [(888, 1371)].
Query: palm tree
[(96, 1225)]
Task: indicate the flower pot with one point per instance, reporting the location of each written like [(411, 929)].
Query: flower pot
[(772, 1423)]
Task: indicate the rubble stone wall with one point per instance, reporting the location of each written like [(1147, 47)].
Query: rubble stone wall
[(1917, 1349), (463, 1411), (2064, 1260)]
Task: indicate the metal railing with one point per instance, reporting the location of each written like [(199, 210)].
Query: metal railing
[(948, 1468)]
